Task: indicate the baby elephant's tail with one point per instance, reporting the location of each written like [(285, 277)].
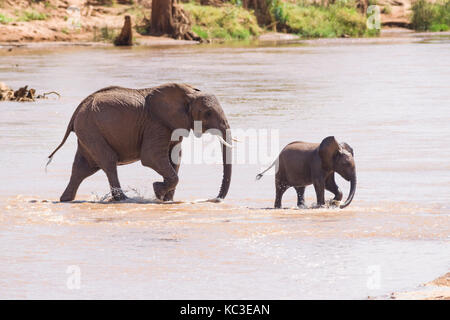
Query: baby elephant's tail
[(260, 175)]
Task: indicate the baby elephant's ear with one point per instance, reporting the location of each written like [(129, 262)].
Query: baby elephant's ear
[(344, 145), (328, 148)]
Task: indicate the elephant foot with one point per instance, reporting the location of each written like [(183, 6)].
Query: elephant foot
[(121, 197), (302, 206), (335, 203), (169, 195), (319, 206), (66, 197), (118, 195), (338, 197), (160, 190)]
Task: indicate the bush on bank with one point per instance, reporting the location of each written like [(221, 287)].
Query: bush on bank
[(427, 16), (307, 20), (227, 22), (313, 21)]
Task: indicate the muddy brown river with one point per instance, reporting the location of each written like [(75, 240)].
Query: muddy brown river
[(389, 100)]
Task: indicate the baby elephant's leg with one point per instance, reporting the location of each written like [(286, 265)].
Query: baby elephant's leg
[(280, 188), (330, 185), (300, 196), (319, 187)]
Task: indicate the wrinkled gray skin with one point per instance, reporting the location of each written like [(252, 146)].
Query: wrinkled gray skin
[(117, 126), (301, 164)]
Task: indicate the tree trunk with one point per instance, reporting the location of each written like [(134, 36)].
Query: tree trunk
[(362, 5), (170, 19), (262, 10), (161, 20), (126, 35)]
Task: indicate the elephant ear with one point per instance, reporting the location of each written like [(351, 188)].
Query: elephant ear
[(328, 149), (345, 145), (170, 104)]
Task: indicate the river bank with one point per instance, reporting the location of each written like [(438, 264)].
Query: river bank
[(79, 23), (388, 35), (438, 289)]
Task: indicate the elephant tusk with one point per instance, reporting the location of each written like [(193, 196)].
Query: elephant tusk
[(236, 140), (224, 142)]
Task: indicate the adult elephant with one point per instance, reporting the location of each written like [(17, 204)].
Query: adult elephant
[(117, 126)]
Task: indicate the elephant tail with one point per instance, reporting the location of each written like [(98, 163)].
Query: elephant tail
[(260, 175), (68, 131)]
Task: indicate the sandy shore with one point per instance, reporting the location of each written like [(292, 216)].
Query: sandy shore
[(438, 289)]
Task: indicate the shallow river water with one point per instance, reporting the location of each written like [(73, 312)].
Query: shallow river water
[(390, 101)]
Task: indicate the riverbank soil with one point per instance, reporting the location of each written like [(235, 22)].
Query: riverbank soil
[(438, 289), (395, 13), (70, 20), (83, 21)]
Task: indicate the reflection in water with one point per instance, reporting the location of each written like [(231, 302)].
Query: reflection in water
[(375, 97)]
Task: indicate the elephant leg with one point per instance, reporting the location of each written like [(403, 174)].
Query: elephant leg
[(319, 187), (300, 196), (280, 188), (81, 169), (330, 185), (176, 166), (155, 154), (106, 158), (113, 179), (161, 164), (169, 184)]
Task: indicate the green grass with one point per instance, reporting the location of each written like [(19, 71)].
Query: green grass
[(4, 19), (428, 16), (106, 34), (30, 15), (228, 22), (387, 9), (336, 20), (48, 5)]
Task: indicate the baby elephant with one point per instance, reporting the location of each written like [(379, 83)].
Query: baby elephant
[(301, 164)]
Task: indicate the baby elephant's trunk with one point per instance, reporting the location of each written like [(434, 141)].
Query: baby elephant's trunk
[(351, 193)]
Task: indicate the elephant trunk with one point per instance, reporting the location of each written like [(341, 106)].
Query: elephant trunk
[(351, 193), (226, 157)]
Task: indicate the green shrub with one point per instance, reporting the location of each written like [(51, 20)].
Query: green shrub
[(430, 16), (437, 27), (30, 15), (106, 34), (336, 20), (4, 19), (387, 9), (278, 11), (227, 22)]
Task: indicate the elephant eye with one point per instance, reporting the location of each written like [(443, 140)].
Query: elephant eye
[(208, 113)]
